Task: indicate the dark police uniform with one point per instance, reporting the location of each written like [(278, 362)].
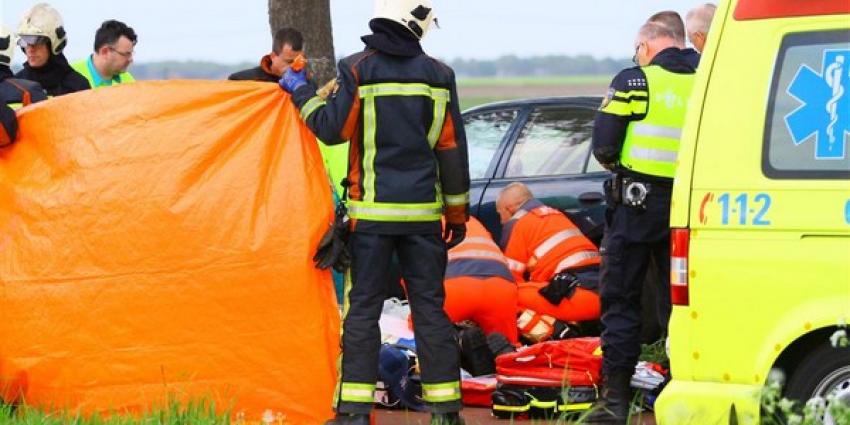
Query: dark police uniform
[(638, 128), (407, 166)]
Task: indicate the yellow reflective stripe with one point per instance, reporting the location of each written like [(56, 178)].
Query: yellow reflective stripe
[(314, 103), (15, 106), (617, 107), (455, 200), (437, 124), (503, 408), (554, 240), (631, 93), (357, 393), (346, 290), (369, 149), (574, 406), (381, 211), (403, 89), (544, 404), (574, 259), (442, 392)]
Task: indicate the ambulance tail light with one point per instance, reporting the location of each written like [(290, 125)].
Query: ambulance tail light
[(679, 243)]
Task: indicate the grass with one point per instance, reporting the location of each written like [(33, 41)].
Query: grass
[(201, 412)]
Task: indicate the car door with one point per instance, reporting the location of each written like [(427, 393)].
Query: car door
[(486, 135), (551, 155)]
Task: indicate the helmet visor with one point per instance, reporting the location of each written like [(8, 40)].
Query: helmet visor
[(26, 40)]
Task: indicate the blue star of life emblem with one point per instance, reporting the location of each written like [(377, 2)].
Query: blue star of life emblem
[(825, 111)]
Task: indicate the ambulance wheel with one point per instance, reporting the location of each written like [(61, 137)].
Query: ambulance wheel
[(824, 372)]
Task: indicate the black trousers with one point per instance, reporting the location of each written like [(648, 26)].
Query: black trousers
[(633, 238), (422, 261)]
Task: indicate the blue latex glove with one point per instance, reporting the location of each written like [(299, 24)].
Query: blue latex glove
[(292, 80)]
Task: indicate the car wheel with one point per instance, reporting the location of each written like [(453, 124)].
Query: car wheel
[(824, 372)]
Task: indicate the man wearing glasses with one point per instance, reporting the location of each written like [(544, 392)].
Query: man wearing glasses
[(636, 135), (42, 37), (114, 42)]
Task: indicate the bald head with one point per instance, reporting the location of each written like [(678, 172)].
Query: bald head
[(697, 24), (511, 199), (673, 21), (651, 39)]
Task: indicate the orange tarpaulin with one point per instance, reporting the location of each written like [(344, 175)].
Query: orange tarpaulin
[(156, 240)]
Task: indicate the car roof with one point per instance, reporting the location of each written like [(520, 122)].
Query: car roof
[(578, 101)]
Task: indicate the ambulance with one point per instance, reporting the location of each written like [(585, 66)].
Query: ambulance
[(760, 217)]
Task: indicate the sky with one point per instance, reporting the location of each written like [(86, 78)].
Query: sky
[(235, 31)]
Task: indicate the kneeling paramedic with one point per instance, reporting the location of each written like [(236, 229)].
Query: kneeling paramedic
[(557, 266), (636, 135), (407, 165)]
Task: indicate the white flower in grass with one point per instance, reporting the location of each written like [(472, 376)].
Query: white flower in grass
[(838, 339)]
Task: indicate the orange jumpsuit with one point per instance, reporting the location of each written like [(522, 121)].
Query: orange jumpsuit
[(479, 286), (540, 242)]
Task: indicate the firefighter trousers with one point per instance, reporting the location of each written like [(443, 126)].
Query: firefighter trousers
[(633, 238), (422, 259)]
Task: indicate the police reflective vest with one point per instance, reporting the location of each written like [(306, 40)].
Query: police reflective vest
[(651, 145), (477, 256), (541, 241), (86, 68)]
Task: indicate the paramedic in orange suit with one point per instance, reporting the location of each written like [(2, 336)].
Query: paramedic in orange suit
[(545, 248), (479, 285)]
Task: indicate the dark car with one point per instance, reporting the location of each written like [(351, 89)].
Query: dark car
[(543, 143)]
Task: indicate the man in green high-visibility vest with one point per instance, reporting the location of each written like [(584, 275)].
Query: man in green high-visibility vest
[(636, 135), (114, 44)]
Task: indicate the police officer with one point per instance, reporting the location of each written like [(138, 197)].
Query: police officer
[(408, 165), (13, 91), (636, 134), (42, 37)]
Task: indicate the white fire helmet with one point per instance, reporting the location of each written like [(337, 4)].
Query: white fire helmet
[(43, 22), (7, 46), (415, 15)]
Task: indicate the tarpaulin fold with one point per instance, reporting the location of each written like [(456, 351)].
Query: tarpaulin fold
[(156, 240)]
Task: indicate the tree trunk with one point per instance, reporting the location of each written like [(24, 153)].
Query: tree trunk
[(313, 19)]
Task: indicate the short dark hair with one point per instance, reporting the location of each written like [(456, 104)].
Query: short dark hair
[(290, 36), (110, 31), (672, 21)]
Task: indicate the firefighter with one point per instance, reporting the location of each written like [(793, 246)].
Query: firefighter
[(42, 38), (636, 135), (408, 165), (13, 91), (548, 251), (476, 266)]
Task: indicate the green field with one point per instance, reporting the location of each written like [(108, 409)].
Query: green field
[(477, 91), (535, 81)]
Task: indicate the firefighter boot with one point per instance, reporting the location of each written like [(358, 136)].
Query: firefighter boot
[(613, 407), (447, 419), (346, 419)]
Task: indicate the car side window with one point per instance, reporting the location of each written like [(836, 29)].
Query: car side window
[(808, 119), (552, 142), (484, 134)]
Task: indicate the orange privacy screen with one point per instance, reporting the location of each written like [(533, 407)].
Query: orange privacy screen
[(155, 240)]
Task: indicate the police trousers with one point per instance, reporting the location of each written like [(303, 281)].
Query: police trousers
[(422, 259), (633, 238)]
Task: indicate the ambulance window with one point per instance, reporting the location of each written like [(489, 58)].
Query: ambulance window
[(553, 142), (484, 134), (807, 132)]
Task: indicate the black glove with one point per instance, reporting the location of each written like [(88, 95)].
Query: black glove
[(333, 248), (561, 286), (454, 234)]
